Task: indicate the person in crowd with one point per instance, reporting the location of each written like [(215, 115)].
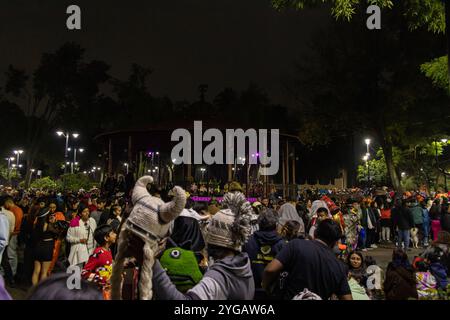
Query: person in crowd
[(426, 282), (186, 229), (435, 216), (4, 233), (403, 221), (385, 222), (356, 266), (288, 212), (81, 237), (312, 265), (13, 241), (426, 222), (56, 287), (59, 216), (417, 213), (100, 207), (290, 230), (44, 235), (115, 218), (262, 247), (369, 222), (5, 262), (445, 218), (351, 219), (320, 215), (99, 266), (230, 276), (438, 257), (400, 281)]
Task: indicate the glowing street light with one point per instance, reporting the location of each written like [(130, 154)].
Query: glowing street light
[(126, 165), (444, 140), (18, 153), (67, 135)]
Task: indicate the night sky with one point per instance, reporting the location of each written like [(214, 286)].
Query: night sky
[(222, 43)]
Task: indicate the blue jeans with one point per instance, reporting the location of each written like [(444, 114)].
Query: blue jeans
[(403, 237)]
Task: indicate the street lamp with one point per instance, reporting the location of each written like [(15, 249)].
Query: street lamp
[(367, 141), (203, 172), (67, 135), (126, 165), (18, 153)]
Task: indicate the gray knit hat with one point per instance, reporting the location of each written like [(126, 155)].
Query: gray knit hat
[(230, 227)]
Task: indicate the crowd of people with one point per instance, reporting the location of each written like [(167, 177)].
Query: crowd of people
[(311, 246)]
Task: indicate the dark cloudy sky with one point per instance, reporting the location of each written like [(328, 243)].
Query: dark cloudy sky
[(187, 42)]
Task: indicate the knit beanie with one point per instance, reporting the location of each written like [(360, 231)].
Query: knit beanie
[(230, 227)]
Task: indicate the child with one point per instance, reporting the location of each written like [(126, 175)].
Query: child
[(426, 282), (99, 266)]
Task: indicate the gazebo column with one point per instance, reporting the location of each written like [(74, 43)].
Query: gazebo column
[(287, 167), (283, 169)]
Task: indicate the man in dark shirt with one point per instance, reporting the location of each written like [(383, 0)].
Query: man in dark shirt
[(312, 265)]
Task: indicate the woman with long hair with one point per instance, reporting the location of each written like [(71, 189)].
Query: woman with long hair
[(43, 238)]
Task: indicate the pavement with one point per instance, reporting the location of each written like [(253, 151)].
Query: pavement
[(382, 255)]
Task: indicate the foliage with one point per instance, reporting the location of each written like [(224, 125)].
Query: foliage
[(426, 13), (437, 71), (75, 182), (45, 183), (340, 9), (420, 13)]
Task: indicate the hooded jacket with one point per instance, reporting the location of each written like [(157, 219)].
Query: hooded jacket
[(258, 259), (417, 214), (229, 278)]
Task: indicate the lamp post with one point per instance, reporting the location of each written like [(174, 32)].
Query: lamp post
[(18, 153), (366, 159), (444, 141), (203, 172), (74, 163), (67, 135), (126, 165)]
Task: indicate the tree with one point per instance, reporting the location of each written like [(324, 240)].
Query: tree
[(434, 15), (60, 87), (345, 87)]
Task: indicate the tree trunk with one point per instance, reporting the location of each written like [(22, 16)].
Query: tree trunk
[(388, 156)]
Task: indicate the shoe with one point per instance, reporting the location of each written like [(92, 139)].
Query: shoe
[(364, 250), (374, 246)]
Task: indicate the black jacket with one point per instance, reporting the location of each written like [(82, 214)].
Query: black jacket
[(402, 218)]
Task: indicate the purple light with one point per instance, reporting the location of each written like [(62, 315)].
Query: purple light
[(257, 154), (207, 199)]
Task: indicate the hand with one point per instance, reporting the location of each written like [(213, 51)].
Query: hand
[(83, 241)]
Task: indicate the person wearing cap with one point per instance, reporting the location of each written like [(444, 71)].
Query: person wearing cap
[(230, 275)]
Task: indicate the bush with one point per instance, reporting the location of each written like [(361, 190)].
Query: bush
[(45, 183), (75, 182)]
